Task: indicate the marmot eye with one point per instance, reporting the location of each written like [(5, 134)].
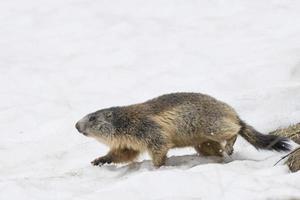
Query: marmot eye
[(92, 118), (108, 116)]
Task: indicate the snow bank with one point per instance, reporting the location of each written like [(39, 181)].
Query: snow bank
[(62, 59)]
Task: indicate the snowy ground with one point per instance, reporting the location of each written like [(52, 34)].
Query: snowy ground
[(62, 59)]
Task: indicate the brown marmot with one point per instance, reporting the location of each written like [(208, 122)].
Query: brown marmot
[(171, 121)]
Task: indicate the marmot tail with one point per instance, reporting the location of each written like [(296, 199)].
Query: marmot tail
[(261, 141)]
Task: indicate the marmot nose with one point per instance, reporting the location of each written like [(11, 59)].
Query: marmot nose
[(77, 126)]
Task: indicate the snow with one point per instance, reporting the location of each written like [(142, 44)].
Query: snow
[(62, 59)]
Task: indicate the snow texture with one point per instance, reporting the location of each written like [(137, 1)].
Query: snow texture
[(62, 59)]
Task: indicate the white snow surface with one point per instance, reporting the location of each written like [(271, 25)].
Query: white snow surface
[(62, 59)]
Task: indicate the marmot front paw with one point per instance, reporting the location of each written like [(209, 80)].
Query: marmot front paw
[(101, 161)]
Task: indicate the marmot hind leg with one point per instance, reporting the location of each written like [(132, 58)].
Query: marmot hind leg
[(213, 148), (221, 140), (210, 148), (229, 145), (117, 156)]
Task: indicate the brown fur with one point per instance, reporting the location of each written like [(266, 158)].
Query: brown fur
[(169, 121)]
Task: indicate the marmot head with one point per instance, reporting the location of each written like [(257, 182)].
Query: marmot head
[(97, 124)]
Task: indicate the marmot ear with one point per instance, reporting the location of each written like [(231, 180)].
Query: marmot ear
[(92, 118)]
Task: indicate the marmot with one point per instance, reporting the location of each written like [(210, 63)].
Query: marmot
[(171, 121)]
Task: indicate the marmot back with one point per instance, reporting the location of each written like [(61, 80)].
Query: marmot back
[(171, 121)]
